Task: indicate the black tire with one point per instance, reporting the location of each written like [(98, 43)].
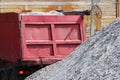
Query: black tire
[(4, 75)]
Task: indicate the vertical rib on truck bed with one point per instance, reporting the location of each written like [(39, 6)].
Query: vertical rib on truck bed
[(46, 39)]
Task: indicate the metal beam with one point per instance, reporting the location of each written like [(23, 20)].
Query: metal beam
[(51, 3)]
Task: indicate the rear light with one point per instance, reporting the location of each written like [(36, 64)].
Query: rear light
[(23, 72)]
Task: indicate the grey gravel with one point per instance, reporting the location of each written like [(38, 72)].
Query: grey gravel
[(98, 58)]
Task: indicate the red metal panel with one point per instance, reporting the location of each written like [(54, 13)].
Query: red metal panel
[(49, 38), (67, 32), (64, 49), (32, 31), (40, 50), (52, 19), (10, 37)]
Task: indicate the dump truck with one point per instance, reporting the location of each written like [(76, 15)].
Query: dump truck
[(30, 42)]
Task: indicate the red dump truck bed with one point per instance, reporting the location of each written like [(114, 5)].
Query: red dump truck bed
[(41, 39)]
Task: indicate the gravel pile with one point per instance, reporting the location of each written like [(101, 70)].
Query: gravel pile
[(98, 58)]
